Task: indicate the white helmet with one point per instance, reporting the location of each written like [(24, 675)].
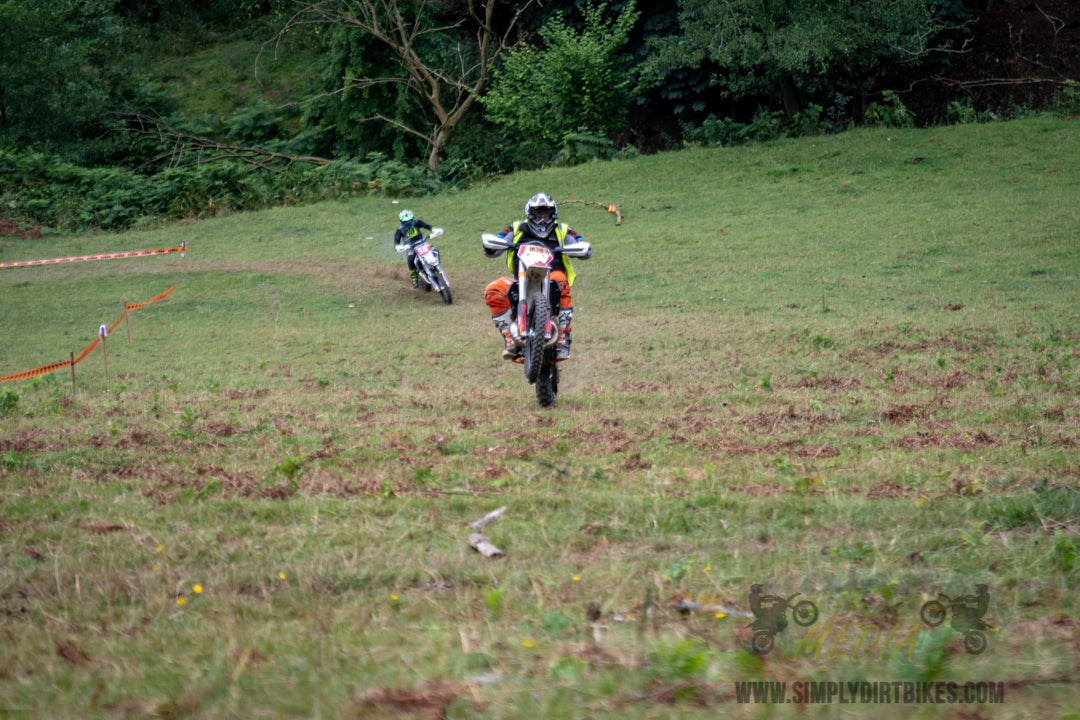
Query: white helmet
[(542, 212)]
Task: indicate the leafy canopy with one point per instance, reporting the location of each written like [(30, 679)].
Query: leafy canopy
[(58, 61), (578, 81), (758, 44)]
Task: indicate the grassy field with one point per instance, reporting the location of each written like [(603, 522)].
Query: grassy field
[(846, 367)]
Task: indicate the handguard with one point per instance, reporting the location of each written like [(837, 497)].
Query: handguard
[(494, 246), (580, 249)]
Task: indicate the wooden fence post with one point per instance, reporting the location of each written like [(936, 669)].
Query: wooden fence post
[(103, 332)]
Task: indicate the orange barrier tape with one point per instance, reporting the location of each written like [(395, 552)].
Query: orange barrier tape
[(45, 370), (106, 256), (86, 351), (103, 331), (162, 296)]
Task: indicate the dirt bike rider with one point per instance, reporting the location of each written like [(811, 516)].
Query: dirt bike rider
[(770, 611), (969, 610), (408, 232), (541, 223)]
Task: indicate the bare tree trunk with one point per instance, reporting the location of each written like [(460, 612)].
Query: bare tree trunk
[(790, 96), (449, 96)]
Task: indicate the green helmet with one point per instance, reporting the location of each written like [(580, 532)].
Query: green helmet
[(405, 216)]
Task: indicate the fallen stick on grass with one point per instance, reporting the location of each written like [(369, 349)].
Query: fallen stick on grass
[(489, 518), (480, 543), (688, 606)]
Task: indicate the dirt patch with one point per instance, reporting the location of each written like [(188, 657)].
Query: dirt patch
[(11, 228), (103, 528), (72, 653), (427, 700), (958, 441)]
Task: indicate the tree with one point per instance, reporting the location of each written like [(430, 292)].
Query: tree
[(445, 88), (795, 47), (577, 82), (58, 64)]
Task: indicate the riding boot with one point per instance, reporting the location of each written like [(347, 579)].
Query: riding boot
[(415, 278), (502, 323), (562, 345)]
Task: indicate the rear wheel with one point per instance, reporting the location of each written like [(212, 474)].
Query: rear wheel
[(975, 642), (932, 613), (762, 642)]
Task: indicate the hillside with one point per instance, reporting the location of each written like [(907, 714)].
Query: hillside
[(843, 367)]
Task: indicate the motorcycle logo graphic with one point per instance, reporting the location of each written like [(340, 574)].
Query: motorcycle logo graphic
[(967, 616), (770, 617)]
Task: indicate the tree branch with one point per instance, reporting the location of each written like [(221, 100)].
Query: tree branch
[(446, 94), (183, 145)]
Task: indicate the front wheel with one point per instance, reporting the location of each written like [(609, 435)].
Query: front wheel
[(539, 316), (547, 384), (805, 613), (444, 289), (932, 613)]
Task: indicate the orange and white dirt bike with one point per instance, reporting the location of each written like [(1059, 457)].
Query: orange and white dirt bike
[(534, 300)]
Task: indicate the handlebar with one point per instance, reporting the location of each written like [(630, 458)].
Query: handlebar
[(495, 245), (435, 232)]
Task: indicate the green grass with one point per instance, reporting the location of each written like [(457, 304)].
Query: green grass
[(845, 367)]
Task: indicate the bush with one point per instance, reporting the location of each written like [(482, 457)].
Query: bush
[(961, 112), (9, 403), (767, 125), (1067, 100), (584, 68), (714, 131), (45, 190), (890, 112)]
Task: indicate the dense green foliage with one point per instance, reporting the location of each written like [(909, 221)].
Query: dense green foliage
[(58, 61), (577, 82), (795, 49), (72, 197)]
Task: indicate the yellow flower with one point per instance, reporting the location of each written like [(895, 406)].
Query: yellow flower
[(527, 643), (196, 589), (180, 601), (707, 569), (576, 578), (156, 568), (159, 548), (720, 615), (394, 598), (281, 575)]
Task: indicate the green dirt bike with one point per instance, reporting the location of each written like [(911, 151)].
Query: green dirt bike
[(428, 269)]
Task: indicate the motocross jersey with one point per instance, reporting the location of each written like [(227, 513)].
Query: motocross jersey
[(410, 234), (521, 233)]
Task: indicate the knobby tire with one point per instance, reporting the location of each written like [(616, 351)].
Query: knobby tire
[(539, 314), (444, 288), (547, 384)]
